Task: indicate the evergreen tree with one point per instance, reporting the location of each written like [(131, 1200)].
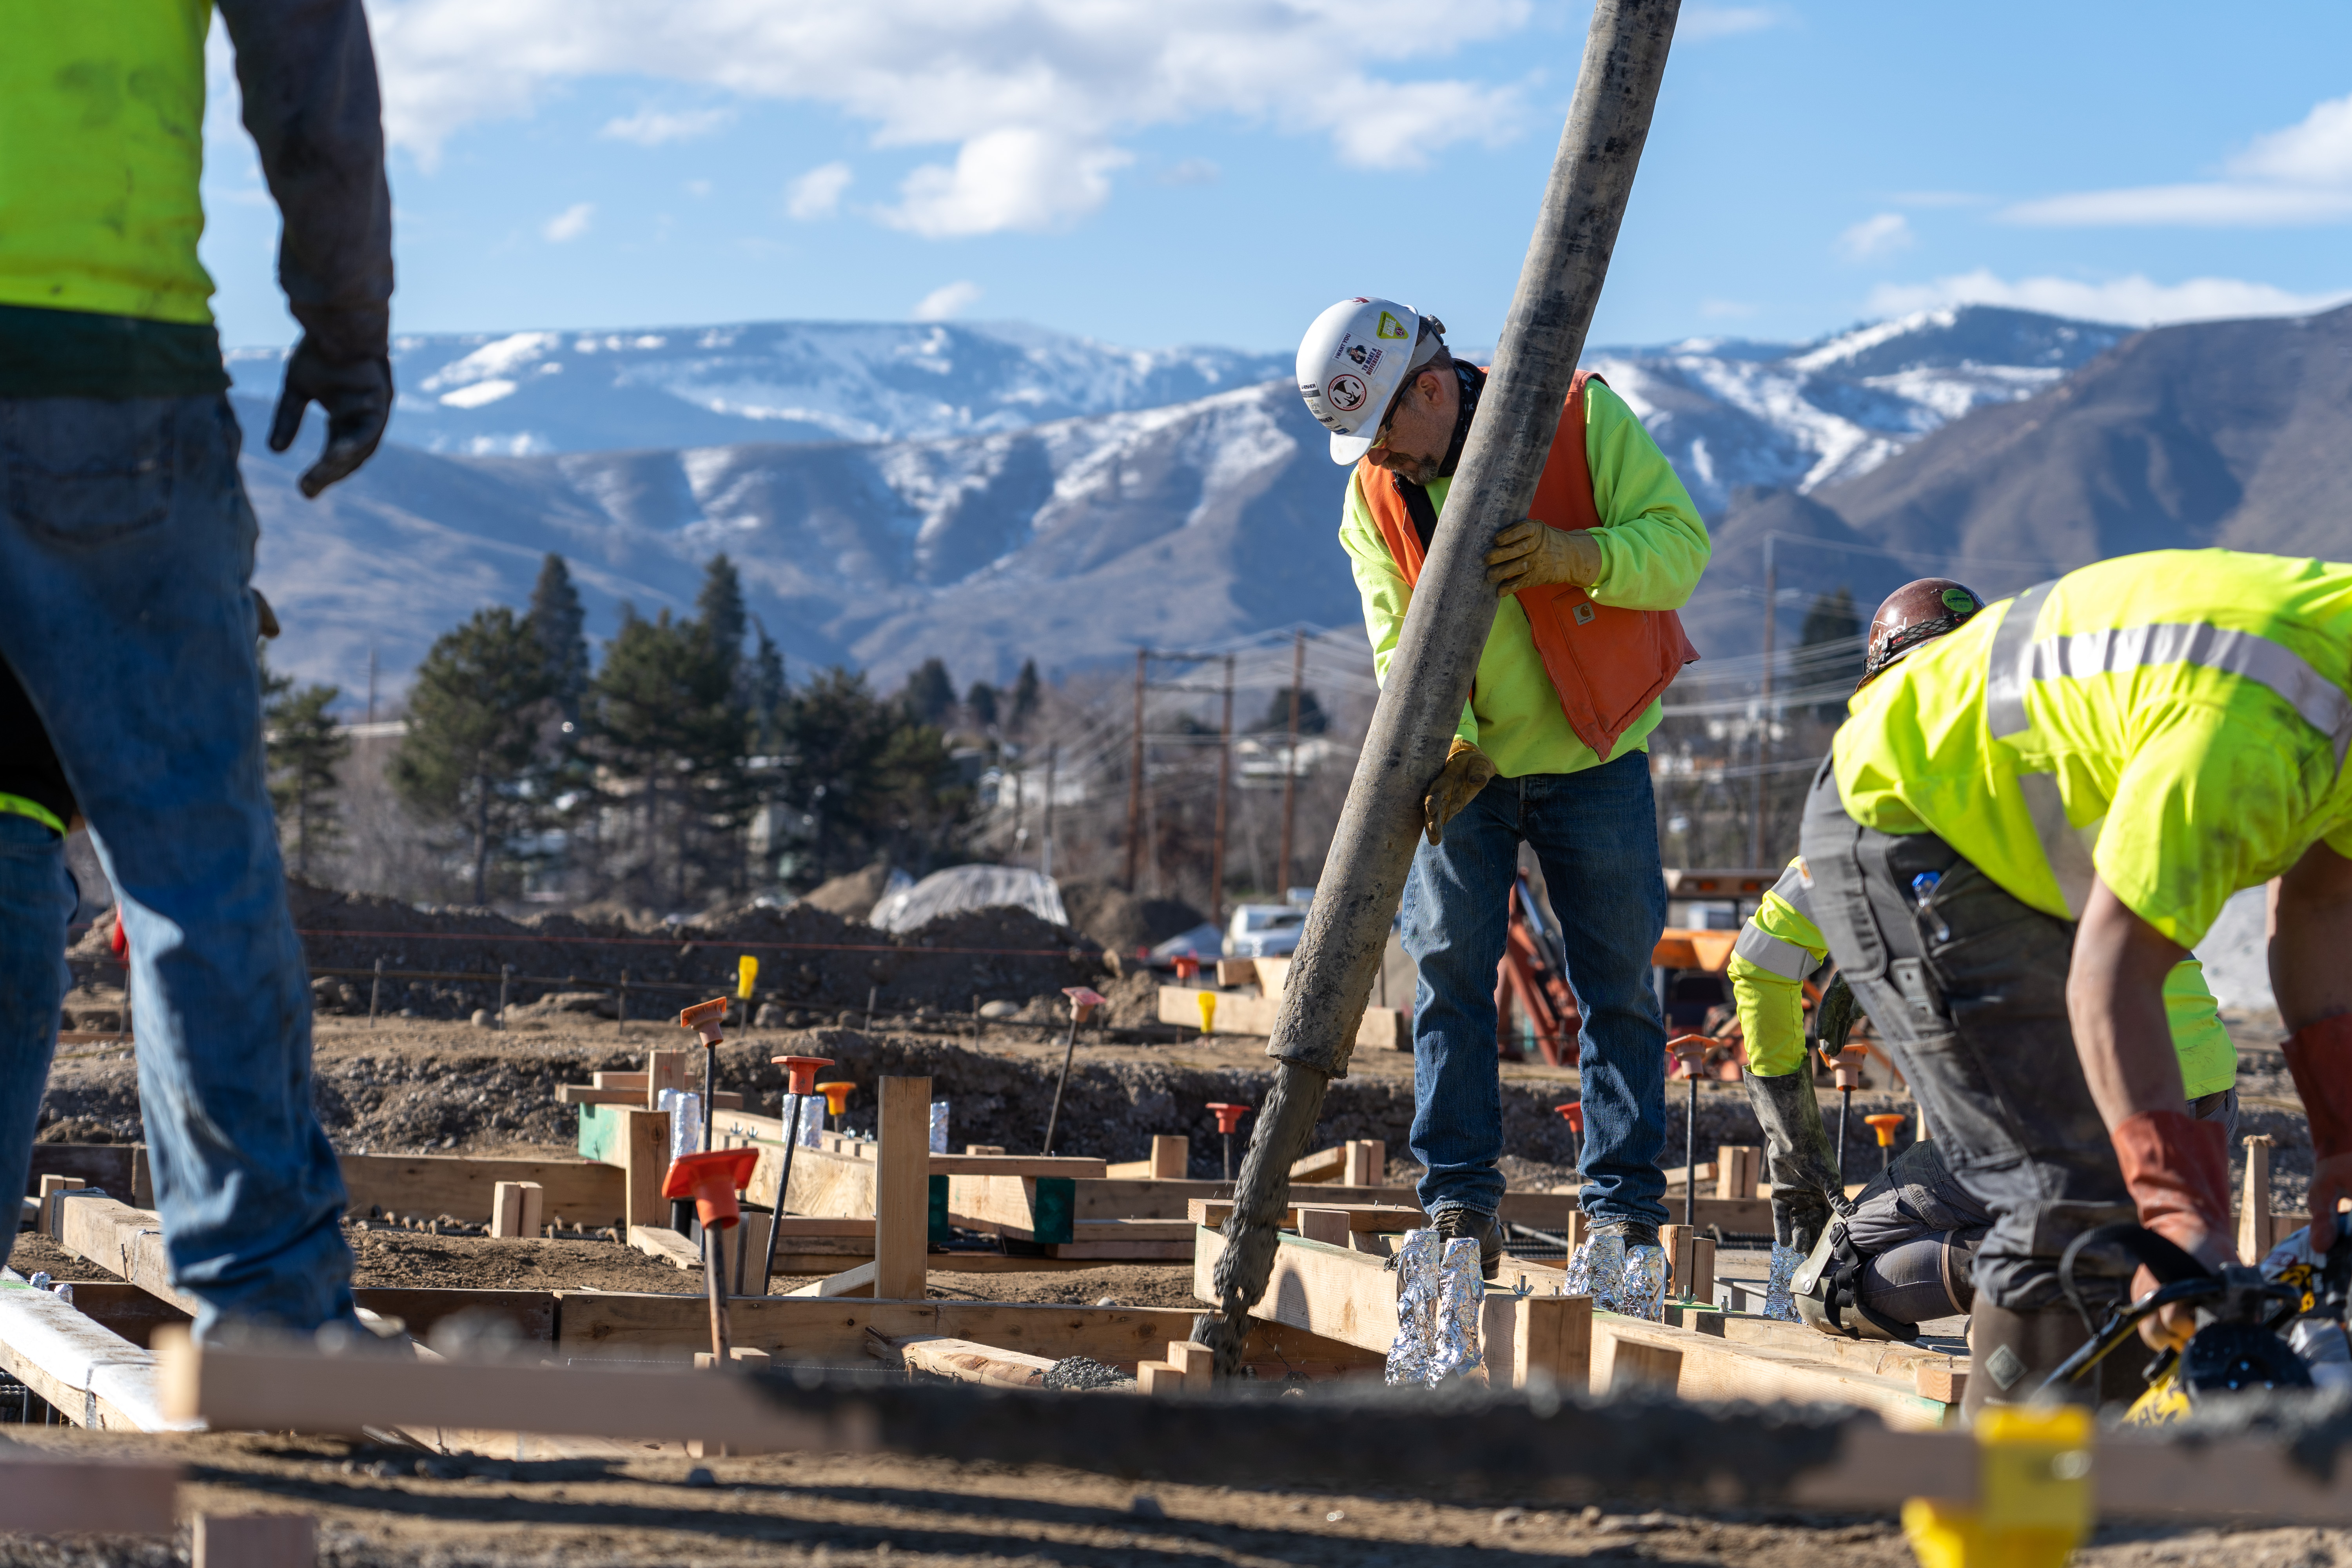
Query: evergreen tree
[(981, 700), (479, 714), (718, 610), (303, 747), (559, 624), (1312, 719), (870, 782), (670, 729), (1024, 695), (931, 693), (764, 687)]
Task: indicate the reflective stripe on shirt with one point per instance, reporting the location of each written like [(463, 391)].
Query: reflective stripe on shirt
[(1769, 953)]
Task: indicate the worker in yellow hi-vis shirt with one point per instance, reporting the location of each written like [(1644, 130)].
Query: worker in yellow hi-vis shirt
[(2022, 830)]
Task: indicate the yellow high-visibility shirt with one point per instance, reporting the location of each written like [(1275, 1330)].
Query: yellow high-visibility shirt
[(1780, 945), (2176, 722), (1654, 545)]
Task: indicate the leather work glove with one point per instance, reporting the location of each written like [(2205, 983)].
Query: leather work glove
[(2319, 1059), (357, 397), (2177, 1170), (1467, 771), (1528, 554)]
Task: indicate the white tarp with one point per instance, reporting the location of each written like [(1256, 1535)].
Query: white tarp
[(2236, 953), (960, 888)]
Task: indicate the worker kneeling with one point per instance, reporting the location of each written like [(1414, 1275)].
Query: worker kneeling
[(2020, 832), (1902, 1253)]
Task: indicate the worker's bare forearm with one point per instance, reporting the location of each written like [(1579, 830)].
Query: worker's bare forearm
[(307, 70), (2114, 1000), (2311, 950)]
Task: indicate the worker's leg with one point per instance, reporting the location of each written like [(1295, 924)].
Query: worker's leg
[(1456, 915), (1967, 988), (126, 551), (1910, 1241), (37, 900), (1596, 835)]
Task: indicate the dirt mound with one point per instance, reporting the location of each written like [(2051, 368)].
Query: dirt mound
[(1119, 921), (852, 896)]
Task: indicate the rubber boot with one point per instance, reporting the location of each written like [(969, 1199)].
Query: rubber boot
[(1483, 1228), (1802, 1166), (2011, 1355)]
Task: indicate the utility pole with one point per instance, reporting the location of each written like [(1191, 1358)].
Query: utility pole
[(1053, 755), (1290, 758), (1135, 781), (371, 717), (1224, 774), (1764, 706)]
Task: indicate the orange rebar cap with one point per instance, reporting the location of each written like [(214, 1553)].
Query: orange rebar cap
[(706, 1018), (711, 1179), (800, 1072), (1574, 1111), (1689, 1053), (1187, 967), (836, 1094), (1886, 1124), (1229, 1116), (1083, 1000)]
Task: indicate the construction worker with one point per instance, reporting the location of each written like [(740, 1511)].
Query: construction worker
[(2022, 829), (126, 546), (1549, 751), (1903, 1256)]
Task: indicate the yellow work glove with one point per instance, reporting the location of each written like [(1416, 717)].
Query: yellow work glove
[(1529, 554), (1467, 771)]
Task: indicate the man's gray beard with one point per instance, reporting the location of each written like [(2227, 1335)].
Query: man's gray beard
[(1422, 471)]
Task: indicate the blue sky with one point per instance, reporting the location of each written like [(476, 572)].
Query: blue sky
[(1218, 171)]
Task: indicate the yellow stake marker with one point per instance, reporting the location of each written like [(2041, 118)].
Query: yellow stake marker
[(747, 970), (1208, 1000), (2033, 1494)]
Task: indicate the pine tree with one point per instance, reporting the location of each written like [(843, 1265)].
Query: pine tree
[(1312, 719), (718, 610), (670, 729), (981, 700), (870, 782), (479, 715), (764, 687), (559, 624), (303, 746), (1024, 695), (931, 693)]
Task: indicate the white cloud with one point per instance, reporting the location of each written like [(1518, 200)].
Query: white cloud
[(817, 194), (2135, 300), (652, 127), (946, 302), (2302, 174), (1191, 172), (1696, 23), (1036, 96), (1882, 235), (569, 224)]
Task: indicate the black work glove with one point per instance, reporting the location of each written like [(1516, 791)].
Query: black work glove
[(357, 397)]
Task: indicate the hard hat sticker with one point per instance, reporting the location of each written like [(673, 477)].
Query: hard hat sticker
[(1960, 602), (1368, 358), (1346, 393), (1391, 328)]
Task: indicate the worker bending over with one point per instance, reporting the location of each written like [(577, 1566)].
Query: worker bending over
[(1902, 1254), (2023, 829), (126, 553), (1550, 752)]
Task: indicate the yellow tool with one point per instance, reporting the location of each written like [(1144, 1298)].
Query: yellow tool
[(747, 970), (1208, 1000), (2034, 1493)]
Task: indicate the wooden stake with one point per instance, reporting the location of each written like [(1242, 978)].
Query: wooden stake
[(645, 1160), (902, 1190), (51, 1187), (255, 1541), (664, 1070), (1367, 1162), (2254, 1227), (1325, 1225), (1631, 1365), (1172, 1155), (1158, 1377), (1734, 1170), (517, 1210), (1196, 1365)]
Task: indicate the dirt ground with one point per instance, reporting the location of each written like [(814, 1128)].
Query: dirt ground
[(378, 1506)]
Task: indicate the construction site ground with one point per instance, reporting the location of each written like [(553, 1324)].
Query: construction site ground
[(411, 1085)]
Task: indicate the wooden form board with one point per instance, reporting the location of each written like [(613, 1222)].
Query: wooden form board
[(1239, 1013), (1393, 1209), (71, 1494), (122, 1240), (902, 1189), (582, 1192), (1171, 1157), (1720, 1369), (637, 1141), (965, 1361), (93, 1376)]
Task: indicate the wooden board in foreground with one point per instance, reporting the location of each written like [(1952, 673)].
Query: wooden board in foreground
[(71, 1494)]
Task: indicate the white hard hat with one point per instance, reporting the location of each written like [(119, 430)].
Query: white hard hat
[(1351, 361)]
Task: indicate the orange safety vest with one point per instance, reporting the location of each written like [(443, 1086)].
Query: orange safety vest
[(1606, 664)]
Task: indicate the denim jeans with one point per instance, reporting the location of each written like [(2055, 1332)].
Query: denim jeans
[(37, 900), (1967, 987), (1595, 834), (126, 553)]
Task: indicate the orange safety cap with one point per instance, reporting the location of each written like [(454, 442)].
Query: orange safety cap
[(800, 1072), (836, 1094), (1083, 1000), (707, 1018), (711, 1179), (1229, 1116), (1884, 1124), (1574, 1111), (1187, 967)]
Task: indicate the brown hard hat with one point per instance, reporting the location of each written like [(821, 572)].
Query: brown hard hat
[(1916, 613)]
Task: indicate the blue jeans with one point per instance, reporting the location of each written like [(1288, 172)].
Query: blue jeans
[(126, 554), (1595, 834), (37, 898)]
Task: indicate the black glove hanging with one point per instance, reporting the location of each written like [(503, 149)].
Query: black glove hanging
[(357, 397)]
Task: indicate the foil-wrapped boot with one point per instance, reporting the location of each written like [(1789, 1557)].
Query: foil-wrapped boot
[(1780, 1299), (1597, 1269), (1641, 1292), (1454, 1327), (1417, 1262)]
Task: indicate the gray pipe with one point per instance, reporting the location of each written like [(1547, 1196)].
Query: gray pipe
[(1444, 630)]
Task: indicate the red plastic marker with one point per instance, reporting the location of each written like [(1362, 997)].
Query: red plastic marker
[(1228, 1117), (1083, 1000), (1187, 967), (711, 1179)]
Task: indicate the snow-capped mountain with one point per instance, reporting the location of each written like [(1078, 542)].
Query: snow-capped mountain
[(519, 393)]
